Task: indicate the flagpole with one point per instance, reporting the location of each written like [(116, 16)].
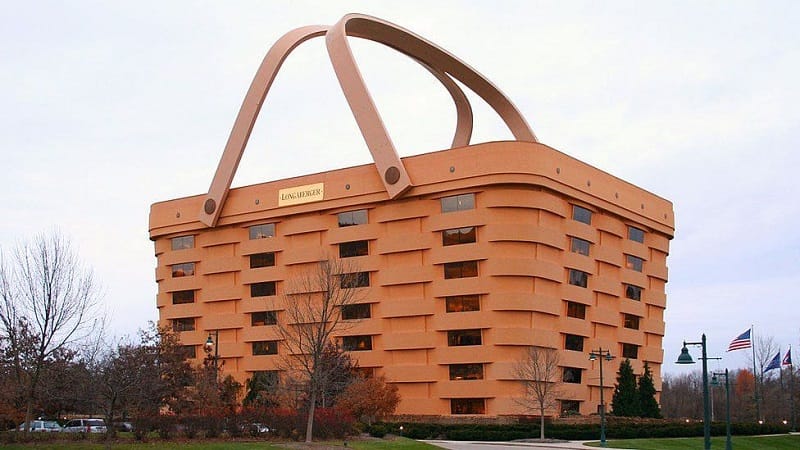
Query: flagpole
[(791, 390), (755, 374)]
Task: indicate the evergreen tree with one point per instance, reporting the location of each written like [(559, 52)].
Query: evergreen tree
[(647, 395), (626, 397)]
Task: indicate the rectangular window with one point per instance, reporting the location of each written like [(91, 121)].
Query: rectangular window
[(350, 218), (635, 234), (462, 303), (466, 371), (467, 406), (633, 292), (461, 269), (261, 318), (458, 236), (630, 351), (182, 270), (351, 249), (182, 242), (458, 338), (461, 202), (570, 407), (356, 343), (357, 311), (634, 263), (630, 321), (581, 214), (578, 245), (578, 278), (265, 348), (354, 280), (188, 351), (183, 324), (573, 342), (265, 230), (181, 297), (572, 375), (262, 260), (264, 289), (576, 310)]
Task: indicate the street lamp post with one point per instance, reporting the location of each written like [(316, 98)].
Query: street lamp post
[(715, 382), (600, 355), (212, 343), (686, 358)]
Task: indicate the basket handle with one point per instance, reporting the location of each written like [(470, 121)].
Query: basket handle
[(254, 99)]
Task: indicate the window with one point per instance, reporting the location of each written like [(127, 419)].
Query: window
[(262, 260), (573, 342), (354, 280), (182, 242), (265, 348), (183, 324), (462, 303), (188, 351), (264, 289), (570, 407), (578, 278), (458, 338), (357, 311), (635, 234), (351, 249), (466, 371), (633, 292), (356, 343), (576, 310), (630, 321), (462, 269), (182, 270), (262, 318), (181, 297), (467, 406), (581, 214), (458, 203), (458, 236), (572, 375), (350, 218), (265, 230), (578, 245), (630, 351), (634, 262)]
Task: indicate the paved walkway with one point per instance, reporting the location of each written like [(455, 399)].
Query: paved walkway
[(515, 445)]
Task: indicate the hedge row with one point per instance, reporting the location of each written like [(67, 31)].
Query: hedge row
[(614, 429)]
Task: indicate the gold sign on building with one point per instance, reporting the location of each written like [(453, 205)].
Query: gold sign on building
[(301, 194)]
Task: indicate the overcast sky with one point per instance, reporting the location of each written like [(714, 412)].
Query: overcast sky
[(108, 107)]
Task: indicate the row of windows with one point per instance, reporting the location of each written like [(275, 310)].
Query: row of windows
[(578, 311), (575, 342), (584, 215)]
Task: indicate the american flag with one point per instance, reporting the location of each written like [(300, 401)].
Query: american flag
[(741, 341)]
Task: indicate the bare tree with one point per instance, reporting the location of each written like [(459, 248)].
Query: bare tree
[(538, 371), (313, 303), (46, 293)]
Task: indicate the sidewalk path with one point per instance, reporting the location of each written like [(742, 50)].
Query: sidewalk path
[(514, 445)]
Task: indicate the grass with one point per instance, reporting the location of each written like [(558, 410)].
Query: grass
[(782, 442), (378, 444)]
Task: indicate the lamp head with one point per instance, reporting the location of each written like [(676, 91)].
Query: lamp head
[(714, 380), (592, 357), (609, 357), (685, 357), (209, 345)]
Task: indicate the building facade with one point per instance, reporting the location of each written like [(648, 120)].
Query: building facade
[(496, 247)]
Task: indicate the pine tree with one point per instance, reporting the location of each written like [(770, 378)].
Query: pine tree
[(625, 402), (647, 395)]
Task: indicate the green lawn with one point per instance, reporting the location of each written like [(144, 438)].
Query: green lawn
[(783, 442), (394, 444)]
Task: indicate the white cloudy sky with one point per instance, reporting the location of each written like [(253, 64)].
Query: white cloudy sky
[(107, 107)]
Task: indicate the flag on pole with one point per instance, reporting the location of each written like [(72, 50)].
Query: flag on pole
[(787, 360), (741, 341), (774, 364)]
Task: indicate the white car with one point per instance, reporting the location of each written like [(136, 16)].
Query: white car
[(85, 426), (41, 426)]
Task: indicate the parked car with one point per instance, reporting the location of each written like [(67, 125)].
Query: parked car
[(85, 426), (256, 428), (123, 426), (41, 426)]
